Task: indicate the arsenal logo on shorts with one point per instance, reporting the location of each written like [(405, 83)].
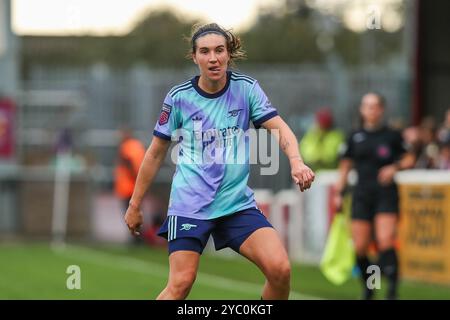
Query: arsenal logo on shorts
[(165, 114)]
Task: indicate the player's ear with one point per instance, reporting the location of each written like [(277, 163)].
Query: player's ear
[(194, 58)]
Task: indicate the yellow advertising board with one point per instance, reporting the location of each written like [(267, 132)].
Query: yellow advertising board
[(425, 228)]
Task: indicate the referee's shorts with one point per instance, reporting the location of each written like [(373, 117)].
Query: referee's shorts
[(367, 201)]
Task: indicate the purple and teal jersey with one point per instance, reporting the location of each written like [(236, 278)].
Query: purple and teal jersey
[(211, 176)]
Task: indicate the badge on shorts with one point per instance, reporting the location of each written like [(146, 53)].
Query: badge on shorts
[(165, 114)]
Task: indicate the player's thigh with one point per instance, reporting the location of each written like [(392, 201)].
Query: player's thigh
[(264, 248), (183, 266)]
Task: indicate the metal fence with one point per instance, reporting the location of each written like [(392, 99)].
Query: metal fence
[(108, 98)]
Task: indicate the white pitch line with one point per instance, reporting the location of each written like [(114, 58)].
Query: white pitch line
[(155, 269)]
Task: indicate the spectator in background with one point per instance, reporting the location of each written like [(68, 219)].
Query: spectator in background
[(320, 145), (130, 155), (411, 137), (444, 157), (413, 143), (443, 138), (64, 142), (7, 115), (421, 141), (444, 131), (377, 153), (65, 152), (427, 156)]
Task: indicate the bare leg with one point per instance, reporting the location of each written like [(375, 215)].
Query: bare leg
[(183, 271), (361, 235), (385, 230), (264, 248)]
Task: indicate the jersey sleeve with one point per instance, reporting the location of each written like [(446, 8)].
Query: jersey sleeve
[(346, 148), (261, 109), (168, 120), (398, 145)]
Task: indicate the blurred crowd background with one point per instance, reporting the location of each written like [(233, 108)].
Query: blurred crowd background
[(65, 97)]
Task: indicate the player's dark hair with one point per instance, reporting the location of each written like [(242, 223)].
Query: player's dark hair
[(381, 98), (234, 44), (381, 102)]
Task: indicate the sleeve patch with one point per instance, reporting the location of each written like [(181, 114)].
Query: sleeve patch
[(165, 114)]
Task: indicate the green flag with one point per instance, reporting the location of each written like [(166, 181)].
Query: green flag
[(339, 256)]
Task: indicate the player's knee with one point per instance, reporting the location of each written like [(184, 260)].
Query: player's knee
[(361, 246), (385, 242), (182, 284), (360, 250), (280, 272)]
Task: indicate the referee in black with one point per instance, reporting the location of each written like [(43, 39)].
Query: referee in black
[(377, 153)]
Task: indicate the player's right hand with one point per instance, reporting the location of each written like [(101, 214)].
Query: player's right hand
[(337, 202), (133, 219)]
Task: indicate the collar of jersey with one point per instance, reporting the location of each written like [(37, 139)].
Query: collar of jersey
[(205, 94), (382, 127)]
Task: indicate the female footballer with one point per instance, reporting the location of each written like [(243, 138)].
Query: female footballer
[(206, 115)]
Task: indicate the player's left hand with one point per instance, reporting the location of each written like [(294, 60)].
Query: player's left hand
[(386, 174), (302, 175)]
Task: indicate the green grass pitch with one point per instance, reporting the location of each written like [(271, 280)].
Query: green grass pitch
[(36, 271)]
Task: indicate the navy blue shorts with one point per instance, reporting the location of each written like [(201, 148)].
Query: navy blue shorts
[(229, 231)]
